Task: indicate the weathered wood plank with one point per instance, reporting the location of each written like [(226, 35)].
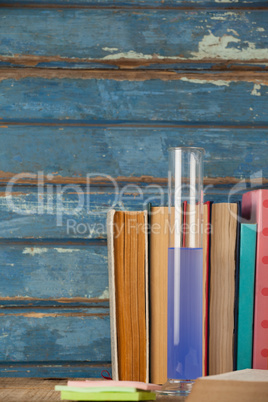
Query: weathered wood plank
[(136, 157), (47, 272), (64, 220), (54, 335), (71, 37), (220, 78), (46, 372), (172, 97), (52, 370), (73, 227), (30, 302), (125, 152)]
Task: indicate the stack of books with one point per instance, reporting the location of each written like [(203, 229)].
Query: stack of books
[(244, 385), (107, 391), (235, 288)]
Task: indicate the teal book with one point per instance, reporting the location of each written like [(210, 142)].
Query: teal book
[(246, 295)]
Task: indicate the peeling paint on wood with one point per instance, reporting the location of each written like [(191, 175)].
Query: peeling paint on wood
[(53, 275), (154, 63), (256, 90), (133, 155), (85, 226), (234, 154), (40, 250), (181, 35), (100, 101), (27, 337)]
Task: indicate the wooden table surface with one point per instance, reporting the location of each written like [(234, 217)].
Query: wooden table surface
[(29, 389), (40, 390)]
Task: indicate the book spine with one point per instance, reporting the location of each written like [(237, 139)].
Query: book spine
[(222, 287), (147, 322), (110, 247), (210, 203), (246, 296), (237, 262), (206, 262), (255, 206), (158, 294)]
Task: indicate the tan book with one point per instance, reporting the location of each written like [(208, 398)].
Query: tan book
[(222, 287), (206, 245), (242, 385), (158, 294), (128, 284)]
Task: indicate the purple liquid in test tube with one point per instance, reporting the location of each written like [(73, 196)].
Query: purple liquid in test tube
[(185, 313)]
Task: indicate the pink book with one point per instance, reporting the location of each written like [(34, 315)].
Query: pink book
[(255, 210), (111, 383)]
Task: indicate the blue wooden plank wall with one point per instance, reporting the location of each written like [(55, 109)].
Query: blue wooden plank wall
[(92, 94)]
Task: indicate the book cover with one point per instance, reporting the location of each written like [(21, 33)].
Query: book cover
[(242, 385), (111, 263), (159, 232), (246, 295), (222, 287), (206, 226), (255, 210), (237, 262), (206, 263), (128, 283)]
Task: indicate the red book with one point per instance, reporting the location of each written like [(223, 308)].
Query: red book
[(206, 258), (206, 252), (184, 223), (255, 210)]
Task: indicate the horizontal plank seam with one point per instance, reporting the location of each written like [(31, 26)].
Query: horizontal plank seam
[(210, 7), (38, 315), (5, 123), (53, 242), (132, 75), (126, 64), (55, 363), (99, 181), (96, 303)]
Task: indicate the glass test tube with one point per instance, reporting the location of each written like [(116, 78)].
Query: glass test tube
[(185, 267)]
